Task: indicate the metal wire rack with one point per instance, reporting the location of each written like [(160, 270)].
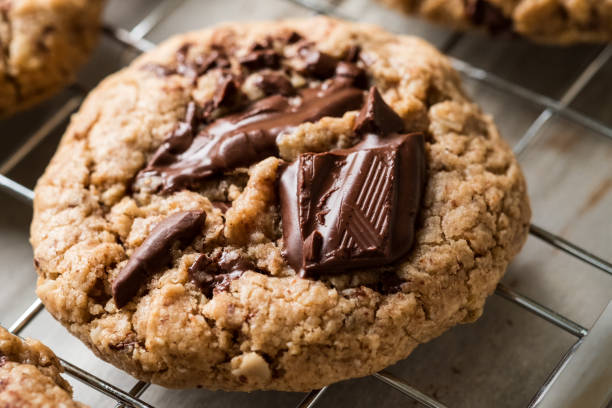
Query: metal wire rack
[(135, 40)]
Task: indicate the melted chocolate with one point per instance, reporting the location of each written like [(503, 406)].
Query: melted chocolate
[(244, 138), (216, 274), (154, 253)]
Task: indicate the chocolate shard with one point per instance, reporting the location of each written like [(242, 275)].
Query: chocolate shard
[(292, 38), (353, 73), (243, 138), (261, 55), (261, 58), (352, 208), (154, 253), (274, 83), (190, 68), (214, 274), (227, 93), (352, 54), (377, 117), (318, 64)]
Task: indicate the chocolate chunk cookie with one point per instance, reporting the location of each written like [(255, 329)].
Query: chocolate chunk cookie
[(545, 21), (42, 43), (275, 206), (30, 375)]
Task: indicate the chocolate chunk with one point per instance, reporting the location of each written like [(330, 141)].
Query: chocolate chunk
[(483, 13), (352, 208), (377, 117), (292, 38), (318, 64), (352, 55), (261, 58), (227, 93), (179, 140), (214, 274), (274, 83), (154, 253), (3, 360), (192, 69), (352, 72), (247, 137)]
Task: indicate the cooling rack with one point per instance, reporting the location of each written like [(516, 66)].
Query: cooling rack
[(549, 107)]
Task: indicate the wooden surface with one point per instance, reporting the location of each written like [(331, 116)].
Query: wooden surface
[(499, 361)]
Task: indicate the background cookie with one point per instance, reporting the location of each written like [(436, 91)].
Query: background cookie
[(550, 21), (227, 311), (30, 375), (42, 43)]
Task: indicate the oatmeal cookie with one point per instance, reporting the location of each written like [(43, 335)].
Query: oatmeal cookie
[(30, 375), (42, 43), (276, 205), (545, 21)]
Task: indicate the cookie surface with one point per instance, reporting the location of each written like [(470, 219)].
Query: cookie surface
[(549, 21), (160, 224), (42, 43), (30, 375)]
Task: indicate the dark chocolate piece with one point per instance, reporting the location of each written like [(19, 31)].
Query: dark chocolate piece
[(352, 73), (215, 274), (261, 57), (154, 253), (352, 208), (318, 64), (274, 83), (244, 138), (3, 360), (377, 117), (352, 55), (192, 69), (292, 38), (227, 93), (483, 13)]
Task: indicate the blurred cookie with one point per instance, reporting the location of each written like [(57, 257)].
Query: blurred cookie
[(545, 21), (42, 44), (30, 375)]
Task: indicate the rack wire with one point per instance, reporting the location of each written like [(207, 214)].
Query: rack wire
[(135, 40)]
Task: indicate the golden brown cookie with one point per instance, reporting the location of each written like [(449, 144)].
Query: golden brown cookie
[(42, 43), (544, 21), (276, 205), (30, 375)]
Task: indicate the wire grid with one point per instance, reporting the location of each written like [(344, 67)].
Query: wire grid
[(135, 39)]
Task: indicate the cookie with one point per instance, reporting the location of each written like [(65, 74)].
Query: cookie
[(549, 21), (276, 205), (30, 375), (42, 43)]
